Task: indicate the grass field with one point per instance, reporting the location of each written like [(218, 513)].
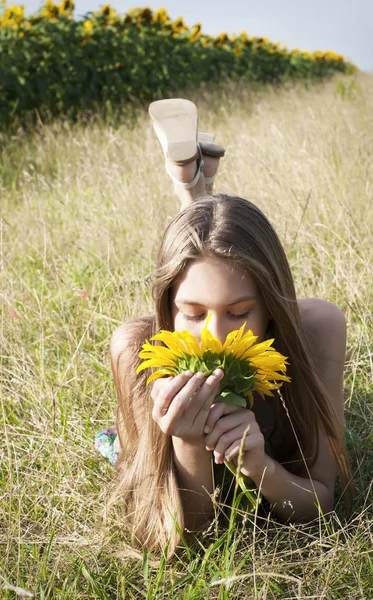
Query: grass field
[(83, 208)]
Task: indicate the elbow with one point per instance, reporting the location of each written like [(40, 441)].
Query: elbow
[(327, 505), (317, 503), (324, 499)]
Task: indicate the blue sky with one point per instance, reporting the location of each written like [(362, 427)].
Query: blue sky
[(345, 26)]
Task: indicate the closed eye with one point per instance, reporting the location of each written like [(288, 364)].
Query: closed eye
[(245, 314), (194, 317), (203, 316)]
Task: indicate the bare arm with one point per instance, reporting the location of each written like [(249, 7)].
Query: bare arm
[(297, 497), (181, 408), (194, 475), (293, 497)]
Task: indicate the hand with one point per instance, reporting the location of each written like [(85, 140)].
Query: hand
[(182, 403), (227, 426)]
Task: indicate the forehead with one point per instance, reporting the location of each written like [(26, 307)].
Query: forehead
[(210, 280)]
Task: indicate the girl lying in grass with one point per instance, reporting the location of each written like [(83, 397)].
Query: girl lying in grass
[(221, 260)]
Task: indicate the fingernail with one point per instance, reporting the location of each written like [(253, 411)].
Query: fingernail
[(200, 376), (188, 373), (207, 429), (218, 373)]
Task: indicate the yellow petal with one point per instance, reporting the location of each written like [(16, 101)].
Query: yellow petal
[(172, 341), (158, 374), (265, 389), (208, 341), (273, 375), (269, 365), (241, 346), (251, 399), (232, 338), (158, 352), (147, 345), (191, 343), (270, 385), (153, 362), (257, 348), (249, 338), (268, 362)]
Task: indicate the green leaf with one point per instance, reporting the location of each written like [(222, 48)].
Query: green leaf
[(231, 398), (183, 365), (213, 361), (234, 370), (244, 385), (193, 364), (202, 368)]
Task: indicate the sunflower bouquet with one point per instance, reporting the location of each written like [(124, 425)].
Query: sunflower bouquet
[(248, 366)]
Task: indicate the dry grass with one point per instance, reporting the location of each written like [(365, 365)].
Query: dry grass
[(83, 208)]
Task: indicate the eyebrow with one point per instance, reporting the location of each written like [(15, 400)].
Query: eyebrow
[(193, 303)]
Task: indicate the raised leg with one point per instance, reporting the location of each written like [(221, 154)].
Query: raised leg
[(190, 157), (186, 173)]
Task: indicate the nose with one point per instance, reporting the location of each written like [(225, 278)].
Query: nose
[(217, 328)]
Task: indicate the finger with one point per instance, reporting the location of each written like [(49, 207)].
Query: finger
[(254, 441), (225, 424), (164, 392), (216, 411), (200, 404), (158, 386), (182, 399), (227, 439)]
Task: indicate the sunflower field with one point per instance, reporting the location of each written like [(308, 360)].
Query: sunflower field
[(54, 64)]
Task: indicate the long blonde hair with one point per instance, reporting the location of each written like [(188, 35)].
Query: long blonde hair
[(234, 230)]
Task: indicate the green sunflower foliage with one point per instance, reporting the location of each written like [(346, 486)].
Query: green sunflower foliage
[(53, 64), (238, 380)]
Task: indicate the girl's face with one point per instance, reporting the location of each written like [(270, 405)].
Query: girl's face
[(210, 285)]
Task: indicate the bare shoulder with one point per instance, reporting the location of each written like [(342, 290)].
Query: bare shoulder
[(325, 327), (317, 314), (129, 336)]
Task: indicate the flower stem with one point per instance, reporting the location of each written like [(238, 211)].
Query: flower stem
[(241, 479)]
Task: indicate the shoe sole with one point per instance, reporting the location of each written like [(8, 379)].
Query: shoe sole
[(210, 149), (177, 119)]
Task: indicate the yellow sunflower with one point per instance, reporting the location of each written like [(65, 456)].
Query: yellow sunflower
[(248, 367)]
